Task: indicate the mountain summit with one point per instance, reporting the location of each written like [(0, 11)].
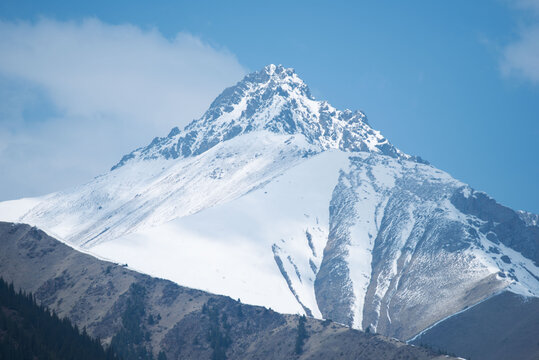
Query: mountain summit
[(284, 201), (273, 99)]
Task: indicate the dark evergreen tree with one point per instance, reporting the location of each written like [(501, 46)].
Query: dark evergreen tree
[(129, 342), (31, 331), (218, 333), (301, 335)]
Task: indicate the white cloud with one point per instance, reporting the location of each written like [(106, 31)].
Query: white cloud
[(75, 96), (532, 5), (521, 57)]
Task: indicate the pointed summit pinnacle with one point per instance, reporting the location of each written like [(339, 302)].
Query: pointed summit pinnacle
[(273, 69), (276, 100), (271, 77)]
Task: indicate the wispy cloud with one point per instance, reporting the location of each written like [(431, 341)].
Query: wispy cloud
[(531, 5), (521, 57), (75, 96)]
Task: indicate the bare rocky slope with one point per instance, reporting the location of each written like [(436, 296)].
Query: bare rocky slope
[(505, 326), (99, 295)]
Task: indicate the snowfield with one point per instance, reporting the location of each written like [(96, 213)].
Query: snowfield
[(227, 249)]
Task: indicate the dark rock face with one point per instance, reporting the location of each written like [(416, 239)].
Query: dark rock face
[(333, 286), (419, 251), (105, 297), (529, 218), (502, 224), (503, 327)]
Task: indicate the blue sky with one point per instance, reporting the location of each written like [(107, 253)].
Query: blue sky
[(456, 82)]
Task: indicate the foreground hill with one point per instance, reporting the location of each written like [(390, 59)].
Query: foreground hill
[(143, 316), (30, 331), (505, 326)]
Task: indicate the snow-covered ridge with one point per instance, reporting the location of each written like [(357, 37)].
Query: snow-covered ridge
[(529, 218), (273, 99), (145, 194)]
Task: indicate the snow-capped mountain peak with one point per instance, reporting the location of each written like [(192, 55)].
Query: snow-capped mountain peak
[(274, 99), (285, 201)]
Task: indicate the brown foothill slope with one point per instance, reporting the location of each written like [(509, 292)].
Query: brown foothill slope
[(505, 326), (105, 298)]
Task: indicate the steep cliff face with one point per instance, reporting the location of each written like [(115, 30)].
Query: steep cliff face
[(284, 201), (401, 254)]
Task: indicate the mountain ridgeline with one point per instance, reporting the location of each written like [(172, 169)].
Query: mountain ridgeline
[(277, 100), (148, 318)]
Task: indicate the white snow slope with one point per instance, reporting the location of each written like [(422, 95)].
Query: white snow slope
[(283, 201)]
